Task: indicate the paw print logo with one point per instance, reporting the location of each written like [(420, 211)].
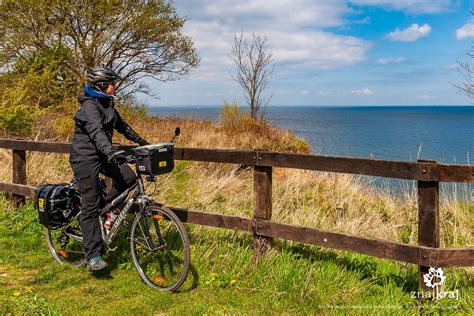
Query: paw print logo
[(434, 278)]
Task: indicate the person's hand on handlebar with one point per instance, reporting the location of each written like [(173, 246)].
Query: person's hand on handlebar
[(117, 157), (142, 142)]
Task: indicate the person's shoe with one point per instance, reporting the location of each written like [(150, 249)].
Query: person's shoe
[(97, 263)]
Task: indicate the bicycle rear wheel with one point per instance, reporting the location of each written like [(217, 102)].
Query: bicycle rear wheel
[(160, 248), (65, 244)]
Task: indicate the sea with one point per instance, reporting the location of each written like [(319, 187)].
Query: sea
[(441, 133), (403, 133)]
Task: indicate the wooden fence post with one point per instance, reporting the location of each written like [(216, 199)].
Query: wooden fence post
[(262, 206), (428, 220), (19, 175)]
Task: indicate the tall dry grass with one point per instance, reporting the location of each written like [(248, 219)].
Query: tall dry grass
[(236, 131), (336, 202)]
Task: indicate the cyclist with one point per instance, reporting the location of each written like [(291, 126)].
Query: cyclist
[(92, 153)]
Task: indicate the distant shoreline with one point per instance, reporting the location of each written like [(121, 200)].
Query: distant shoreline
[(318, 106)]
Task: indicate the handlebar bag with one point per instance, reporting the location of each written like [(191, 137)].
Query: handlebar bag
[(155, 159)]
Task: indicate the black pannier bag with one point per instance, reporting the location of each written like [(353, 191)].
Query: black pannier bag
[(56, 204), (155, 159)]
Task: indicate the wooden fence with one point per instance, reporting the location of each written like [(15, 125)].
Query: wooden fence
[(428, 174)]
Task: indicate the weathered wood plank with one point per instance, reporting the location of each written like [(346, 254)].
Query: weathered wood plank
[(19, 175), (18, 189), (50, 147), (368, 246), (455, 173), (371, 167), (428, 221), (374, 247), (216, 155), (453, 257), (262, 201), (35, 146), (427, 256), (214, 220)]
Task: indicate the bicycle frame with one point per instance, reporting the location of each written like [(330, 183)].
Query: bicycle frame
[(138, 191)]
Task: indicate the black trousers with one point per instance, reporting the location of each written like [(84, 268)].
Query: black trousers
[(86, 174)]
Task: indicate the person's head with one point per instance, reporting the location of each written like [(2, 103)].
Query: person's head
[(103, 79)]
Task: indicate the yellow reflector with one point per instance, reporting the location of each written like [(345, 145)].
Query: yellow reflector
[(162, 163), (158, 217), (41, 202), (63, 253), (160, 280)]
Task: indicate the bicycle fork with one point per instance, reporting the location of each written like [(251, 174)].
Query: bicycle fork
[(146, 232)]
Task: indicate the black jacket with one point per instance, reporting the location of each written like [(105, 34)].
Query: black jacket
[(95, 122)]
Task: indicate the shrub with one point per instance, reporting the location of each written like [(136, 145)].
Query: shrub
[(33, 84), (234, 120)]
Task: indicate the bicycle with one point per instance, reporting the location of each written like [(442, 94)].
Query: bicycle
[(158, 239)]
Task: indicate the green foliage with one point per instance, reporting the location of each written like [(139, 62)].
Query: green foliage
[(41, 81), (137, 38), (252, 133), (234, 120), (17, 120), (293, 278), (132, 110), (24, 302)]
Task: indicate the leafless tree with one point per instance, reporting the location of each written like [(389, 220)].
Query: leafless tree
[(255, 67), (467, 70)]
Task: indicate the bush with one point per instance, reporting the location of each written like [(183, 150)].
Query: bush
[(132, 110), (41, 81), (17, 119), (233, 120)]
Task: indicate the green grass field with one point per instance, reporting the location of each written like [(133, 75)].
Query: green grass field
[(292, 278)]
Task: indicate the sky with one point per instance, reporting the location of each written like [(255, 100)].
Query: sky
[(329, 52)]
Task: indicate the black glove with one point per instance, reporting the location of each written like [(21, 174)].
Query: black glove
[(117, 157), (142, 142)]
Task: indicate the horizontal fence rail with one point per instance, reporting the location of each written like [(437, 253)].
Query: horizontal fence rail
[(427, 173), (423, 171)]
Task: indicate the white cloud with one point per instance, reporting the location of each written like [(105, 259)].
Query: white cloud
[(324, 93), (294, 29), (316, 49), (467, 30), (304, 92), (365, 92), (409, 6), (390, 60), (452, 66), (410, 34), (427, 97)]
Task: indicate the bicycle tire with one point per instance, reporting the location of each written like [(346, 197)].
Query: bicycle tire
[(156, 266), (71, 253)]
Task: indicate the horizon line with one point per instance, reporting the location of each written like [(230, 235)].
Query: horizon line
[(309, 105)]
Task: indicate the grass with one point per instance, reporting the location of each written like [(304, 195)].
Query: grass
[(292, 278)]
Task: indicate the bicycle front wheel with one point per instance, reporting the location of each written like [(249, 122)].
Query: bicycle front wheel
[(160, 248)]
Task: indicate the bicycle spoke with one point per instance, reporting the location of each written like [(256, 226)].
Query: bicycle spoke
[(65, 245), (164, 266)]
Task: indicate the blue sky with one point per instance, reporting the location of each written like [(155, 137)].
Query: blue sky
[(330, 52)]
